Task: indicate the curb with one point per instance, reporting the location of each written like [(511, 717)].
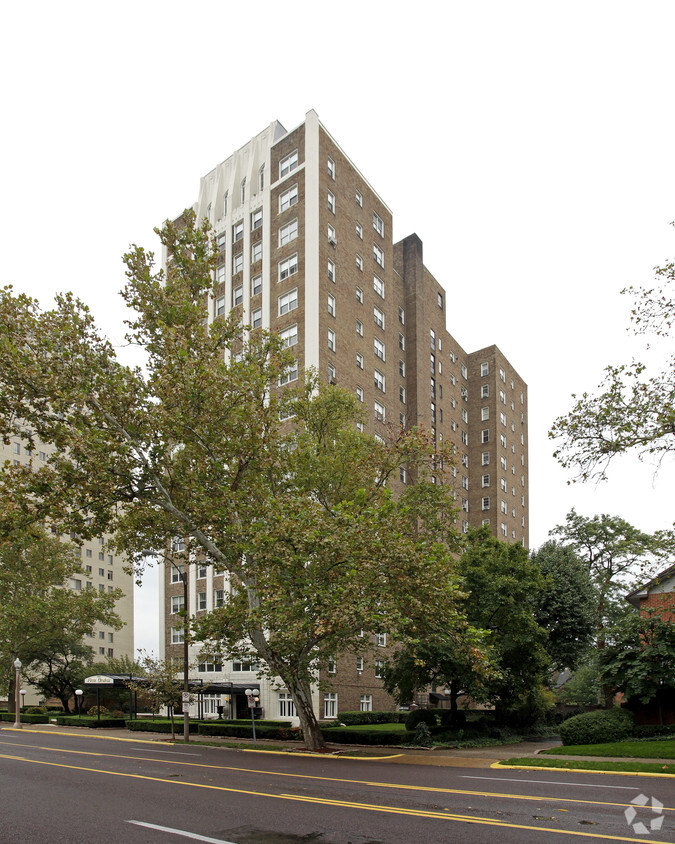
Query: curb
[(499, 765)]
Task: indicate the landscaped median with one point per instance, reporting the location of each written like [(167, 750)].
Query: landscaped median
[(624, 752)]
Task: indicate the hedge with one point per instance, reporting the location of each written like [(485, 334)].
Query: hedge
[(600, 727), (26, 718), (419, 716), (343, 735), (159, 726), (646, 731), (219, 728), (88, 721), (350, 718)]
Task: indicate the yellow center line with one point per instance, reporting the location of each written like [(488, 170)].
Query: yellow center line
[(369, 783), (417, 813)]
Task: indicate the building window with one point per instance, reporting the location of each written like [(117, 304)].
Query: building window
[(256, 219), (177, 573), (502, 418), (502, 440), (288, 301), (378, 286), (288, 232), (366, 703), (378, 224), (485, 458), (359, 199), (502, 375), (201, 600), (401, 342), (440, 301), (331, 168), (359, 360), (485, 503), (359, 328), (379, 348), (331, 340), (286, 165), (379, 411), (256, 321), (502, 396), (379, 381), (465, 372), (177, 603), (261, 177), (288, 198), (218, 597), (331, 235), (289, 374), (381, 640), (177, 637), (485, 481), (465, 438), (359, 263), (359, 393), (359, 295), (110, 575), (331, 202), (502, 461), (289, 336), (401, 368), (237, 263), (359, 664), (286, 705), (220, 306), (484, 369), (331, 373), (484, 391), (237, 231), (256, 252), (485, 435), (245, 664), (331, 270), (484, 414), (378, 254), (330, 701), (465, 482), (359, 231), (331, 305), (237, 295), (288, 267), (256, 285), (401, 395), (402, 474), (378, 316)]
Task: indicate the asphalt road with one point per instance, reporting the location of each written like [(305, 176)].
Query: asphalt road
[(59, 788)]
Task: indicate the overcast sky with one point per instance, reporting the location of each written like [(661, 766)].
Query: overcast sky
[(531, 145)]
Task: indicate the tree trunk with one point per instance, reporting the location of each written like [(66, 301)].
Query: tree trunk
[(10, 695), (65, 702), (302, 698)]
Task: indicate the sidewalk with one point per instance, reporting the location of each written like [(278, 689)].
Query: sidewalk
[(465, 757)]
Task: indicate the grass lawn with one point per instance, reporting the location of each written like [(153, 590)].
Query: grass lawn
[(591, 765), (626, 749)]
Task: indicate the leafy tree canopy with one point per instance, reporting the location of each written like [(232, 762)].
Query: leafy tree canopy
[(195, 445), (633, 411)]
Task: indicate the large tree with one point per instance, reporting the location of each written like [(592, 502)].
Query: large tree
[(39, 611), (497, 653), (565, 606), (198, 444), (633, 410), (60, 670)]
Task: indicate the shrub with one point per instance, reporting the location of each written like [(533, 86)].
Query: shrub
[(163, 726), (220, 728), (94, 711), (350, 719), (600, 727), (418, 716), (88, 721), (25, 718), (647, 731), (455, 718), (35, 710), (422, 736), (340, 735)]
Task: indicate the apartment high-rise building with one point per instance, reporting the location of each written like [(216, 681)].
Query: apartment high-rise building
[(306, 249)]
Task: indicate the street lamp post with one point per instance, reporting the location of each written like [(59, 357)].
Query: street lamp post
[(78, 695), (17, 694), (253, 697)]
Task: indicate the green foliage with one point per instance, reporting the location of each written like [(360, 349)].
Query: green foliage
[(422, 736), (534, 707), (35, 710), (583, 687), (61, 669), (420, 716), (651, 731), (605, 725), (348, 718), (91, 721), (631, 412), (194, 446), (28, 718), (343, 735), (566, 605), (639, 656), (94, 711), (38, 615)]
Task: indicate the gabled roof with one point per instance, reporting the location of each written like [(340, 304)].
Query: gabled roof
[(660, 579)]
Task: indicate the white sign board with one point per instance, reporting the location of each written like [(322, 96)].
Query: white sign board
[(100, 680)]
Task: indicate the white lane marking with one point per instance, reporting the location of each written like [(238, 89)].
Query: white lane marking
[(554, 782), (193, 835)]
